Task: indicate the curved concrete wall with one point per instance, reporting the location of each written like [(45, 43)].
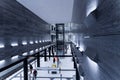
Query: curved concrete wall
[(103, 29)]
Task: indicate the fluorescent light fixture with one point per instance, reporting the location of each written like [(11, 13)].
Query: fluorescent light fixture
[(31, 42), (92, 65), (15, 57), (77, 45), (24, 43), (86, 36), (2, 45), (24, 54), (36, 41), (36, 50), (2, 61), (81, 49), (14, 44), (43, 47), (31, 52), (39, 48), (92, 6), (81, 77), (40, 41)]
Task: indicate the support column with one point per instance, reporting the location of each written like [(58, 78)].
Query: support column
[(74, 62), (52, 50), (45, 58), (77, 75), (25, 64), (38, 59), (72, 55), (49, 52)]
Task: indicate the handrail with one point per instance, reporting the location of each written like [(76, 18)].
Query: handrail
[(20, 72), (20, 60), (74, 56), (52, 77), (49, 68)]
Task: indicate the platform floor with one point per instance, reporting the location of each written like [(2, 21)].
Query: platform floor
[(64, 63)]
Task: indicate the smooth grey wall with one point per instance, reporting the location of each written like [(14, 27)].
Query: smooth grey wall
[(103, 27), (18, 24)]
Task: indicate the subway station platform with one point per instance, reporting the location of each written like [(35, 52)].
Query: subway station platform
[(82, 35), (64, 69)]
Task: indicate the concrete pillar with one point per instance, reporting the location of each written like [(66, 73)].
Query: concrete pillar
[(45, 57), (25, 66), (38, 59), (49, 52)]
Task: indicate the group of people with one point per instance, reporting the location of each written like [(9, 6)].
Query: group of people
[(34, 71)]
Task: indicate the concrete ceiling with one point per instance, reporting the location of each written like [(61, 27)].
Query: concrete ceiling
[(52, 11)]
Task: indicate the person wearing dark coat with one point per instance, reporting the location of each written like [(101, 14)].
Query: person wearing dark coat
[(31, 68)]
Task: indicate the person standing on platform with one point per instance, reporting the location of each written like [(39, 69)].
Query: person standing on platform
[(31, 68), (34, 74)]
